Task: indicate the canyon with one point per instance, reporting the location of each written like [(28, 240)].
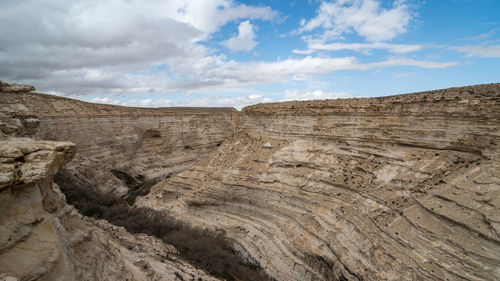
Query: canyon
[(120, 146), (404, 187), (44, 238)]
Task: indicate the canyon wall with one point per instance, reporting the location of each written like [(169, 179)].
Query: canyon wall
[(395, 188), (43, 238), (118, 147)]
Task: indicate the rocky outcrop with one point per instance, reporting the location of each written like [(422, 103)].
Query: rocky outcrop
[(116, 141), (396, 188), (29, 234), (5, 87), (43, 238)]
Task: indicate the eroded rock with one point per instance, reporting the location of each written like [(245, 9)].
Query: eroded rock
[(147, 142), (15, 88), (395, 188), (43, 238)]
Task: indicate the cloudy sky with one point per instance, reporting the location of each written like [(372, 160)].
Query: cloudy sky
[(235, 53)]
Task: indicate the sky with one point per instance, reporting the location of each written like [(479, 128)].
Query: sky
[(155, 53)]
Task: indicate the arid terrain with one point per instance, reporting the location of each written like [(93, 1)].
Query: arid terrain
[(404, 187)]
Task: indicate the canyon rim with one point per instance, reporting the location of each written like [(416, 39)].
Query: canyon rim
[(405, 187)]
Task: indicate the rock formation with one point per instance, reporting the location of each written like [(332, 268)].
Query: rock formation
[(395, 188), (118, 146), (42, 238)]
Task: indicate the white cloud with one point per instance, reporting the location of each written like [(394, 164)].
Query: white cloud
[(237, 102), (481, 36), (480, 51), (362, 47), (245, 40), (365, 17), (149, 103), (303, 52), (133, 102), (301, 77), (219, 72), (99, 47), (408, 62), (313, 95), (105, 100), (104, 45), (242, 101)]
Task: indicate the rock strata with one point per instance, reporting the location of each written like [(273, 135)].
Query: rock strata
[(143, 143), (395, 188), (4, 87), (43, 238)]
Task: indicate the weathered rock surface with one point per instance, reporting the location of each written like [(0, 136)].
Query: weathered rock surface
[(140, 142), (42, 238), (5, 87), (396, 188)]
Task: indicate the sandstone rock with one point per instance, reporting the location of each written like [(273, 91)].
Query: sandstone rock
[(42, 238), (141, 142), (28, 162), (4, 87), (15, 119), (4, 277), (31, 244), (395, 188)]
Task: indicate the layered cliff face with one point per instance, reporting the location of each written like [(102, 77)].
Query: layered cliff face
[(397, 188), (118, 147), (43, 238)]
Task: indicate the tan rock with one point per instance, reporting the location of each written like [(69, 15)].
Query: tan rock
[(4, 87), (42, 238), (142, 142), (4, 277), (396, 188)]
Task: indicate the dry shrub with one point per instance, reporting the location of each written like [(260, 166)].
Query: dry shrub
[(207, 250)]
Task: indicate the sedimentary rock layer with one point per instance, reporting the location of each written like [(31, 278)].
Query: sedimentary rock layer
[(42, 238), (136, 142), (396, 188)]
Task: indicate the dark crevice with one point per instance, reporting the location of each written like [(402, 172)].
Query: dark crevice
[(124, 176), (142, 188)]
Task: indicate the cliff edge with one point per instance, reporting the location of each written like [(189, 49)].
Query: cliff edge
[(394, 188), (405, 187), (117, 148), (43, 238)]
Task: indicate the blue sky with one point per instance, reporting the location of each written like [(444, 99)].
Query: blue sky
[(236, 53)]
